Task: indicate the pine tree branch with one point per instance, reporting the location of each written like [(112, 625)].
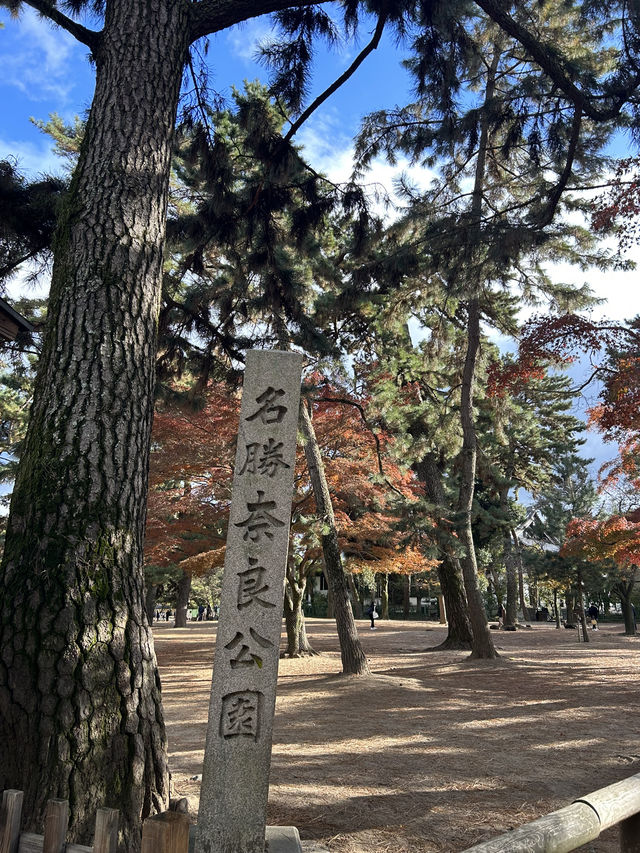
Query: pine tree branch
[(211, 16), (549, 209), (89, 37), (552, 64), (357, 62)]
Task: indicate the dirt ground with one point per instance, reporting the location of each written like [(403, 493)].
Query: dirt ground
[(433, 752)]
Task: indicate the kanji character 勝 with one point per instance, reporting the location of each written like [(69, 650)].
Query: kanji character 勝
[(268, 462)]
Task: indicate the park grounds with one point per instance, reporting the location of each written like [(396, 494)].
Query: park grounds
[(433, 751)]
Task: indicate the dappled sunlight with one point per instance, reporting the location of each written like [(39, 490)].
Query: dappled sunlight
[(432, 751)]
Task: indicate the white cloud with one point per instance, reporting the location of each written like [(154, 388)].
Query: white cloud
[(244, 39), (33, 159), (37, 58)]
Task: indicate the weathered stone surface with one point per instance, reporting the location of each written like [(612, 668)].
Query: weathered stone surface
[(235, 777), (279, 839)]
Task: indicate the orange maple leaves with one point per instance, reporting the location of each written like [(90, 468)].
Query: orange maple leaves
[(616, 538)]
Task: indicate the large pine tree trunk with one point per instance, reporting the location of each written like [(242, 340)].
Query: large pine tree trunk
[(449, 571), (354, 661), (80, 708)]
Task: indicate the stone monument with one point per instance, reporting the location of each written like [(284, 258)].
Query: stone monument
[(235, 776)]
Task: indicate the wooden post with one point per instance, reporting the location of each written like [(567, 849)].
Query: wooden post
[(10, 821), (630, 835), (106, 837), (166, 833), (56, 823)]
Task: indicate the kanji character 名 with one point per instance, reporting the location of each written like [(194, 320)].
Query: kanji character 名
[(240, 714), (246, 657), (260, 520), (268, 413), (249, 587)]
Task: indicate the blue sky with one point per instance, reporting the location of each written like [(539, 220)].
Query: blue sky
[(46, 71)]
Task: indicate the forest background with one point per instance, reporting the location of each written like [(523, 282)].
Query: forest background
[(476, 266)]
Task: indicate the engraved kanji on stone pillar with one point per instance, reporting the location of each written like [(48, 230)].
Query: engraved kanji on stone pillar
[(235, 777)]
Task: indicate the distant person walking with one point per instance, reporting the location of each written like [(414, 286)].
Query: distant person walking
[(372, 613), (593, 615)]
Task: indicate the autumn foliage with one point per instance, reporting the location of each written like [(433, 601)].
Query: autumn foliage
[(616, 538), (191, 473)]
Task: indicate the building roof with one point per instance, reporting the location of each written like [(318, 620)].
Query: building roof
[(11, 322)]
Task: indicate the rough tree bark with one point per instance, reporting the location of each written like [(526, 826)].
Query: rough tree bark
[(354, 661), (80, 708), (449, 571)]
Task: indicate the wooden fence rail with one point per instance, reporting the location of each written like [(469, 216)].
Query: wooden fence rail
[(55, 829), (583, 821)]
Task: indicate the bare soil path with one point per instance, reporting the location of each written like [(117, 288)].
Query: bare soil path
[(433, 752)]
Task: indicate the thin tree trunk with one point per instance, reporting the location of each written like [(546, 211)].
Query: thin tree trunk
[(406, 593), (449, 570), (571, 619), (581, 613), (442, 608), (297, 640), (182, 600), (355, 599), (623, 591), (354, 661), (331, 611), (384, 595), (81, 714), (482, 646), (150, 601), (511, 610), (557, 609), (518, 554)]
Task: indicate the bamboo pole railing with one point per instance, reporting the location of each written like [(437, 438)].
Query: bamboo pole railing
[(572, 826)]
